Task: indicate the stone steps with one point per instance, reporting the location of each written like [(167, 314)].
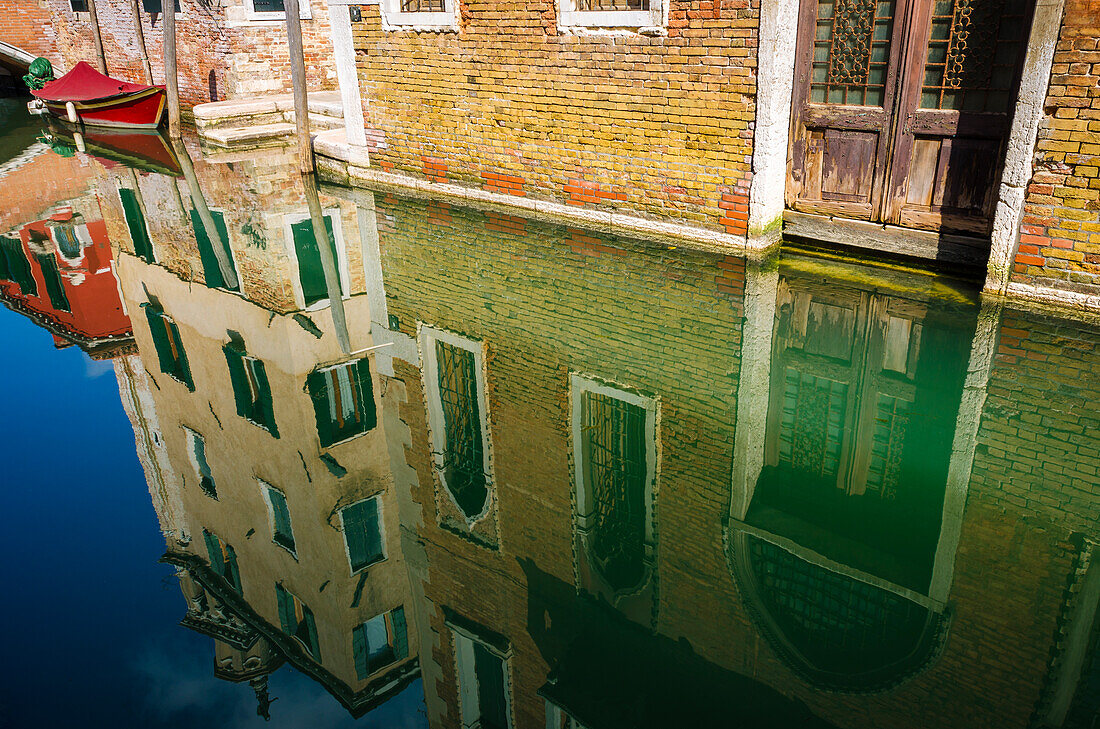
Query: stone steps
[(264, 120)]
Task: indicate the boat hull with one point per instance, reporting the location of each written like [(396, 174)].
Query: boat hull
[(139, 110)]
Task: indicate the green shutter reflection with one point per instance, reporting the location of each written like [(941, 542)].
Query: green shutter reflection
[(310, 272), (210, 267)]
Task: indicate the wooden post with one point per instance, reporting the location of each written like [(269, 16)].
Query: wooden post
[(170, 79), (225, 263), (140, 33), (298, 79), (101, 60), (328, 262)]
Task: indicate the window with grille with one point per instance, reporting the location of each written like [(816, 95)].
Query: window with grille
[(420, 14), (973, 53), (463, 457), (812, 423), (851, 52), (169, 346), (615, 465), (640, 14)]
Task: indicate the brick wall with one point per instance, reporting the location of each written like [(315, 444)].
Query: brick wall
[(1039, 442), (653, 125), (53, 178), (245, 57), (1060, 237), (26, 25)]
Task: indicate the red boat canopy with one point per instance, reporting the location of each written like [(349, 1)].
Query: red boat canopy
[(84, 83)]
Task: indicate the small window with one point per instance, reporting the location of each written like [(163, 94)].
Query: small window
[(169, 346), (482, 684), (380, 641), (157, 6), (250, 388), (275, 10), (297, 621), (196, 448), (223, 559), (17, 268), (55, 285), (79, 6), (420, 14), (281, 531), (456, 413), (612, 13), (218, 268), (343, 401), (311, 273), (362, 527), (135, 223)]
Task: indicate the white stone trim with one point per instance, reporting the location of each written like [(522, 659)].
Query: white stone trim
[(381, 534), (1074, 303), (468, 689), (754, 383), (341, 257), (393, 18), (965, 440), (304, 13), (774, 95), (427, 337), (578, 386), (1019, 160), (343, 52), (648, 22), (7, 50)]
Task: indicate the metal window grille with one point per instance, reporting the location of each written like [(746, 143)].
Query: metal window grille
[(812, 423), (615, 476), (851, 52), (422, 6), (832, 617), (464, 454), (588, 5)]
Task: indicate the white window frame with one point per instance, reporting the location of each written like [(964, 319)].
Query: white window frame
[(341, 258), (265, 488), (465, 670), (304, 12), (394, 18), (579, 385), (436, 422), (649, 22), (192, 436), (82, 236), (381, 534)]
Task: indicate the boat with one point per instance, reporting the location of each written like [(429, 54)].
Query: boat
[(140, 149), (100, 100)]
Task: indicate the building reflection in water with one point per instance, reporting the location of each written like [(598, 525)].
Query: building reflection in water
[(574, 480)]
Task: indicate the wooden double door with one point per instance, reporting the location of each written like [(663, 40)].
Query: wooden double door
[(902, 109)]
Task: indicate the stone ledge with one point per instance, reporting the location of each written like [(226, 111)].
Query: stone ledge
[(344, 164)]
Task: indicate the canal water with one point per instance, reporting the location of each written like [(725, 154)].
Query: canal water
[(450, 467)]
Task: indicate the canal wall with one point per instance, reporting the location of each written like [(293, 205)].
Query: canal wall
[(1059, 243)]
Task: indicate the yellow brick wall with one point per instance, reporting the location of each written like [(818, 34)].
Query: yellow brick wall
[(654, 125)]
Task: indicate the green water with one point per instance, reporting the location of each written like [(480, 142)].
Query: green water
[(556, 477)]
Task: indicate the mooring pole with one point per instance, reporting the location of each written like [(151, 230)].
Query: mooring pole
[(220, 246), (140, 33), (298, 79), (328, 261), (101, 60), (170, 79)]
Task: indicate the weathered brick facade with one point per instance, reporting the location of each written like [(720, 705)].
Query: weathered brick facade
[(547, 302), (659, 126), (1060, 237), (221, 52), (27, 25)]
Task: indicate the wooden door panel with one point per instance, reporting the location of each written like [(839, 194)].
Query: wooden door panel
[(848, 165)]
